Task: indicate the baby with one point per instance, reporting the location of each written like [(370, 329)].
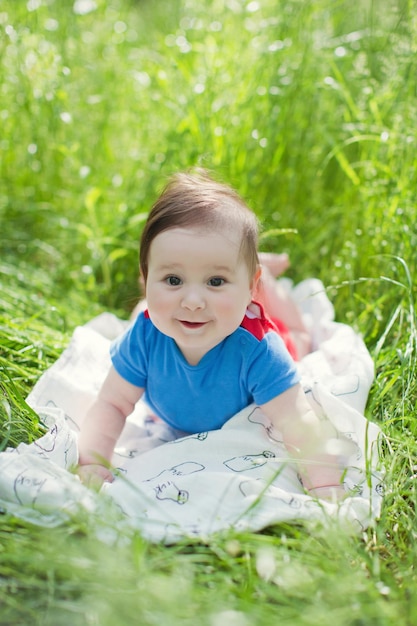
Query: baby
[(204, 340)]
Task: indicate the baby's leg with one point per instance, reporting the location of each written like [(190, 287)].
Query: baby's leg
[(279, 304)]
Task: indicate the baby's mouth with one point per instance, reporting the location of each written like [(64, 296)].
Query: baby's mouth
[(192, 324)]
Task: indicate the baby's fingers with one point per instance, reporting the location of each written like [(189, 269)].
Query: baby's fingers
[(94, 475)]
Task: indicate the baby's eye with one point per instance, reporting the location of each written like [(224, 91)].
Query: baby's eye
[(173, 281), (216, 281)]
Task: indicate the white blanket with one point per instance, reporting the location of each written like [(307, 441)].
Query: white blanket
[(237, 477)]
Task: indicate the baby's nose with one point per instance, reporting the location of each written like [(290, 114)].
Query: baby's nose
[(193, 299)]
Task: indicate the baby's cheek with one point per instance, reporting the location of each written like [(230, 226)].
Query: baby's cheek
[(233, 310), (158, 299)]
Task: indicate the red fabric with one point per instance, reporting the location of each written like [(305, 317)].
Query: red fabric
[(259, 326)]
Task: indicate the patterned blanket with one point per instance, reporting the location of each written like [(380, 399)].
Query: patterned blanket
[(172, 488)]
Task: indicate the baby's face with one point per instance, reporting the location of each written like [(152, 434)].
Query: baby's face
[(198, 288)]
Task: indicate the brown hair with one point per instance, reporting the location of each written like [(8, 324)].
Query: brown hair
[(194, 199)]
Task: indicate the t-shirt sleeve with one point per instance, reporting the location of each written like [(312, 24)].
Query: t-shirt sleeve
[(272, 370), (129, 353)]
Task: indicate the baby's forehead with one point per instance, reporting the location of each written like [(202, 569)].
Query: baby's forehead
[(181, 246), (228, 237)]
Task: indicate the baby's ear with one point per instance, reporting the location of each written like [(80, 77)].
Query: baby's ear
[(141, 282), (255, 280)]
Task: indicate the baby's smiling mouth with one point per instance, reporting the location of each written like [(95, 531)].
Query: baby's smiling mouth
[(192, 324)]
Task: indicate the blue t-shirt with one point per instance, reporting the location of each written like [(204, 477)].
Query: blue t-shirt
[(195, 398)]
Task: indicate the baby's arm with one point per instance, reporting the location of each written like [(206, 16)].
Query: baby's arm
[(306, 438), (102, 426)]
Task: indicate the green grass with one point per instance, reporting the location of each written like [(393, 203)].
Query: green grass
[(309, 110)]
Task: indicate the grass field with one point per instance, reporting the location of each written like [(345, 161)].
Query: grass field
[(309, 110)]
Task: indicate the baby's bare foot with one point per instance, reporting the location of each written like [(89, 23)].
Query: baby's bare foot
[(275, 263)]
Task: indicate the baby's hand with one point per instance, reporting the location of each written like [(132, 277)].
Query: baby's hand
[(94, 475), (332, 493)]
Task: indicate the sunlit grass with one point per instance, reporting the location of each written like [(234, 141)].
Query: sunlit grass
[(309, 110)]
